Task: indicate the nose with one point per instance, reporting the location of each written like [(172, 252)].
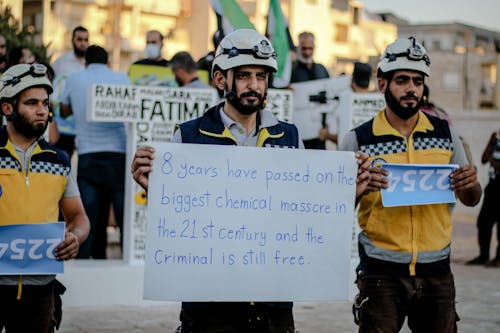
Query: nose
[(253, 83)]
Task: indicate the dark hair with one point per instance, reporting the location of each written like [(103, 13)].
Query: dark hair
[(96, 55), (78, 28), (183, 60), (15, 55)]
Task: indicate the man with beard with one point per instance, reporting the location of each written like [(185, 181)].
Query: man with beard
[(404, 251), (242, 68), (73, 61), (68, 63), (305, 69), (35, 183)]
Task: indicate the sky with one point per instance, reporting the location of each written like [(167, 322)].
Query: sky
[(480, 13)]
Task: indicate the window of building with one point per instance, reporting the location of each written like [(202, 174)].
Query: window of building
[(341, 31), (342, 5), (355, 15)]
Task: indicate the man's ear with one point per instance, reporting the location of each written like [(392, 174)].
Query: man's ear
[(382, 84), (219, 80), (7, 109)]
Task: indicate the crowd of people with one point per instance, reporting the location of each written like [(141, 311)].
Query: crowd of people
[(404, 271)]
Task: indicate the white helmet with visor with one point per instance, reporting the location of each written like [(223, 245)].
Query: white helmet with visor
[(405, 53), (245, 47)]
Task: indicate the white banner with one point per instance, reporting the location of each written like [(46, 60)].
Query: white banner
[(152, 114), (245, 223)]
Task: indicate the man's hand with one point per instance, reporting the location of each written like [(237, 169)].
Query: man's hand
[(68, 249), (142, 165), (363, 178), (465, 184), (378, 179)]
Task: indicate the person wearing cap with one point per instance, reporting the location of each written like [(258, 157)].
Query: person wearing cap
[(243, 64), (404, 269), (361, 76), (35, 183)]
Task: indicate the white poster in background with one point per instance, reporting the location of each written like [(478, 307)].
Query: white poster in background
[(308, 114), (245, 223), (152, 114), (357, 108)]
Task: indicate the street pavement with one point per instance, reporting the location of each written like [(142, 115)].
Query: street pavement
[(478, 302)]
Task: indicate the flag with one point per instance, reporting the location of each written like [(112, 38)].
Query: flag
[(230, 16), (279, 35)]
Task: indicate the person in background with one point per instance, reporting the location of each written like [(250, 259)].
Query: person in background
[(154, 46), (101, 151), (490, 211), (68, 63), (3, 54), (404, 251), (305, 69), (32, 303), (240, 120), (361, 76), (185, 71), (205, 62), (20, 55), (73, 61)]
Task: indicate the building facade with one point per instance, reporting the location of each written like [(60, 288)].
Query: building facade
[(465, 63), (344, 31)]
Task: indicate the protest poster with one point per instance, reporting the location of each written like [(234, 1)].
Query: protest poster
[(152, 114), (228, 223), (418, 184), (30, 248), (356, 109), (315, 104), (151, 75)]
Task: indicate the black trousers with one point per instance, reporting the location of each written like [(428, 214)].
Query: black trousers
[(488, 216)]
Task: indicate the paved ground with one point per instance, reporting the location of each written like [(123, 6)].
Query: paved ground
[(478, 302)]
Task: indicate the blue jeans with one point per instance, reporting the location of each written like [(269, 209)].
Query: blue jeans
[(101, 179), (384, 301)]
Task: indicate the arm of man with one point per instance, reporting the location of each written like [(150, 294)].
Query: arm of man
[(142, 165), (464, 179), (77, 227), (65, 110), (488, 151)]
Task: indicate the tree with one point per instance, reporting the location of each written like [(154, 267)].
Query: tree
[(16, 36)]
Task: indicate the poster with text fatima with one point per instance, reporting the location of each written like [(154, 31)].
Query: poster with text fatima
[(228, 223)]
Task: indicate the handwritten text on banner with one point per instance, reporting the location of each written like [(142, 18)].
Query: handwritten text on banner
[(232, 223)]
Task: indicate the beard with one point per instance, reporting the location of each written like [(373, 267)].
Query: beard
[(303, 59), (29, 130), (246, 109), (77, 51), (403, 112)]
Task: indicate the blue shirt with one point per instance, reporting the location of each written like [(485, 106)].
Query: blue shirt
[(91, 136)]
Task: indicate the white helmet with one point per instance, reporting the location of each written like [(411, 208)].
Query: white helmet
[(245, 47), (405, 53), (21, 77)]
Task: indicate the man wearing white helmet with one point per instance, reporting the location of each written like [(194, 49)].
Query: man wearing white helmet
[(35, 182), (404, 268), (243, 64)]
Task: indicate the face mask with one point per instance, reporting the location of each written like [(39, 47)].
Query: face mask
[(152, 51)]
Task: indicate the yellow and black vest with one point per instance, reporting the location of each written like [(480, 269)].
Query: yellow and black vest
[(31, 196), (407, 240)]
